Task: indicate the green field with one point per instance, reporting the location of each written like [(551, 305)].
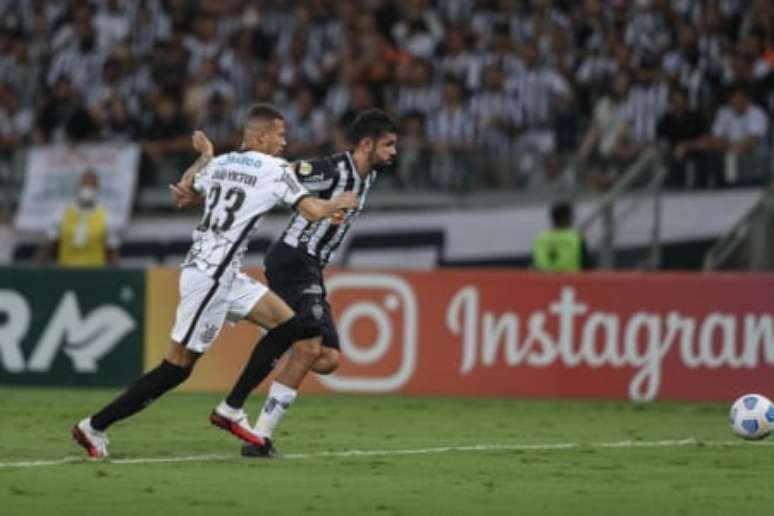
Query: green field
[(612, 458)]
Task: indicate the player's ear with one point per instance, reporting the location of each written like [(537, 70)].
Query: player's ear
[(367, 144)]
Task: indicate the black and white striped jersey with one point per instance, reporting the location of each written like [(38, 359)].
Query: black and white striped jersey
[(325, 178)]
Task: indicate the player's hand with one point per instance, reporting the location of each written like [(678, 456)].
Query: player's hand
[(184, 195), (202, 144), (338, 217), (346, 201)]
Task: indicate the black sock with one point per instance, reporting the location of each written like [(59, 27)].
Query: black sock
[(149, 387), (262, 360)]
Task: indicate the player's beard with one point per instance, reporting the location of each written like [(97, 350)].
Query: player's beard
[(377, 162)]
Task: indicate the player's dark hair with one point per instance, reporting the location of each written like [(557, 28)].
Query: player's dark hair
[(561, 214), (371, 123), (264, 111)]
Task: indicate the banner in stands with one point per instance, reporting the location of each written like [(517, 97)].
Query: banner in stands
[(53, 173), (71, 327), (502, 333)]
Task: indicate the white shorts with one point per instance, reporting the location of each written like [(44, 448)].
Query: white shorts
[(206, 305)]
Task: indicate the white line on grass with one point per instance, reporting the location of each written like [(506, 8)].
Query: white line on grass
[(373, 453)]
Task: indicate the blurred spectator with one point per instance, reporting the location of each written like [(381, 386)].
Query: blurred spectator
[(542, 91), (20, 70), (240, 67), (110, 87), (220, 124), (169, 64), (80, 237), (206, 83), (55, 112), (419, 30), (166, 143), (418, 93), (560, 248), (202, 44), (497, 117), (150, 25), (457, 60), (647, 32), (80, 59), (682, 124), (111, 23), (412, 169), (15, 121), (308, 132), (739, 132), (93, 69), (338, 99), (451, 132), (603, 145), (117, 123), (647, 103), (299, 67)]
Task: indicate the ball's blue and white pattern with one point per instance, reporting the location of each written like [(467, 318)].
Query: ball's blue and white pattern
[(752, 416)]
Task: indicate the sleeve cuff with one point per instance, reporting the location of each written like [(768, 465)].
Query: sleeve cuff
[(304, 196)]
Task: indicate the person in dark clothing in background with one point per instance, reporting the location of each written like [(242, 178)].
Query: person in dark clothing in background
[(679, 125)]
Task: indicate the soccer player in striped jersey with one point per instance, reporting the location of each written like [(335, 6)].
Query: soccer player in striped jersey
[(294, 269), (238, 189)]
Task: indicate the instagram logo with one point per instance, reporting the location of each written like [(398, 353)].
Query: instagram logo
[(387, 305)]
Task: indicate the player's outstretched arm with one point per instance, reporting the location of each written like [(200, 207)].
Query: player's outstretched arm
[(183, 192), (314, 209)]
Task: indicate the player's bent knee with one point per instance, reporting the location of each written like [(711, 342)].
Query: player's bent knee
[(328, 362), (307, 351), (297, 328), (180, 356)]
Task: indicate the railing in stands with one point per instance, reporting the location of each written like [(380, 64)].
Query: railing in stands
[(746, 245), (620, 202)]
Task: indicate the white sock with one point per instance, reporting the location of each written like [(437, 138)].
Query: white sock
[(90, 429), (277, 402), (227, 410)]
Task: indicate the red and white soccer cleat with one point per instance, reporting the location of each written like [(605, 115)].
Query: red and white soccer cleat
[(236, 423), (93, 441)]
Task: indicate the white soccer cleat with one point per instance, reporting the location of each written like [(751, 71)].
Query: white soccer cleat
[(93, 441), (236, 423)]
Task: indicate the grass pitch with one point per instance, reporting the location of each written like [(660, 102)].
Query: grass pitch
[(419, 457)]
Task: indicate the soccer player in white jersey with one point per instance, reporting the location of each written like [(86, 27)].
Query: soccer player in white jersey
[(238, 188), (294, 270)]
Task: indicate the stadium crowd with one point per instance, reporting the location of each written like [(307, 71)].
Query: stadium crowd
[(488, 93)]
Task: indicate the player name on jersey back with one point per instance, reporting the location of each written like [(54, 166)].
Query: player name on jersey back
[(235, 177)]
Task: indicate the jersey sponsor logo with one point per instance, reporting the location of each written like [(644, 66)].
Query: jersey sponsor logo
[(237, 159), (84, 338)]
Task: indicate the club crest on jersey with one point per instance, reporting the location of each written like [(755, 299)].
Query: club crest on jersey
[(208, 333), (317, 311)]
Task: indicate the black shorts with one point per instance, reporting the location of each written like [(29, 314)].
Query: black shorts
[(297, 278)]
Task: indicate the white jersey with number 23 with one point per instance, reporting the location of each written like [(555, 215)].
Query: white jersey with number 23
[(239, 188)]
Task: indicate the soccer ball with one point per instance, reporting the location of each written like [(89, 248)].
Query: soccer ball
[(752, 416)]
